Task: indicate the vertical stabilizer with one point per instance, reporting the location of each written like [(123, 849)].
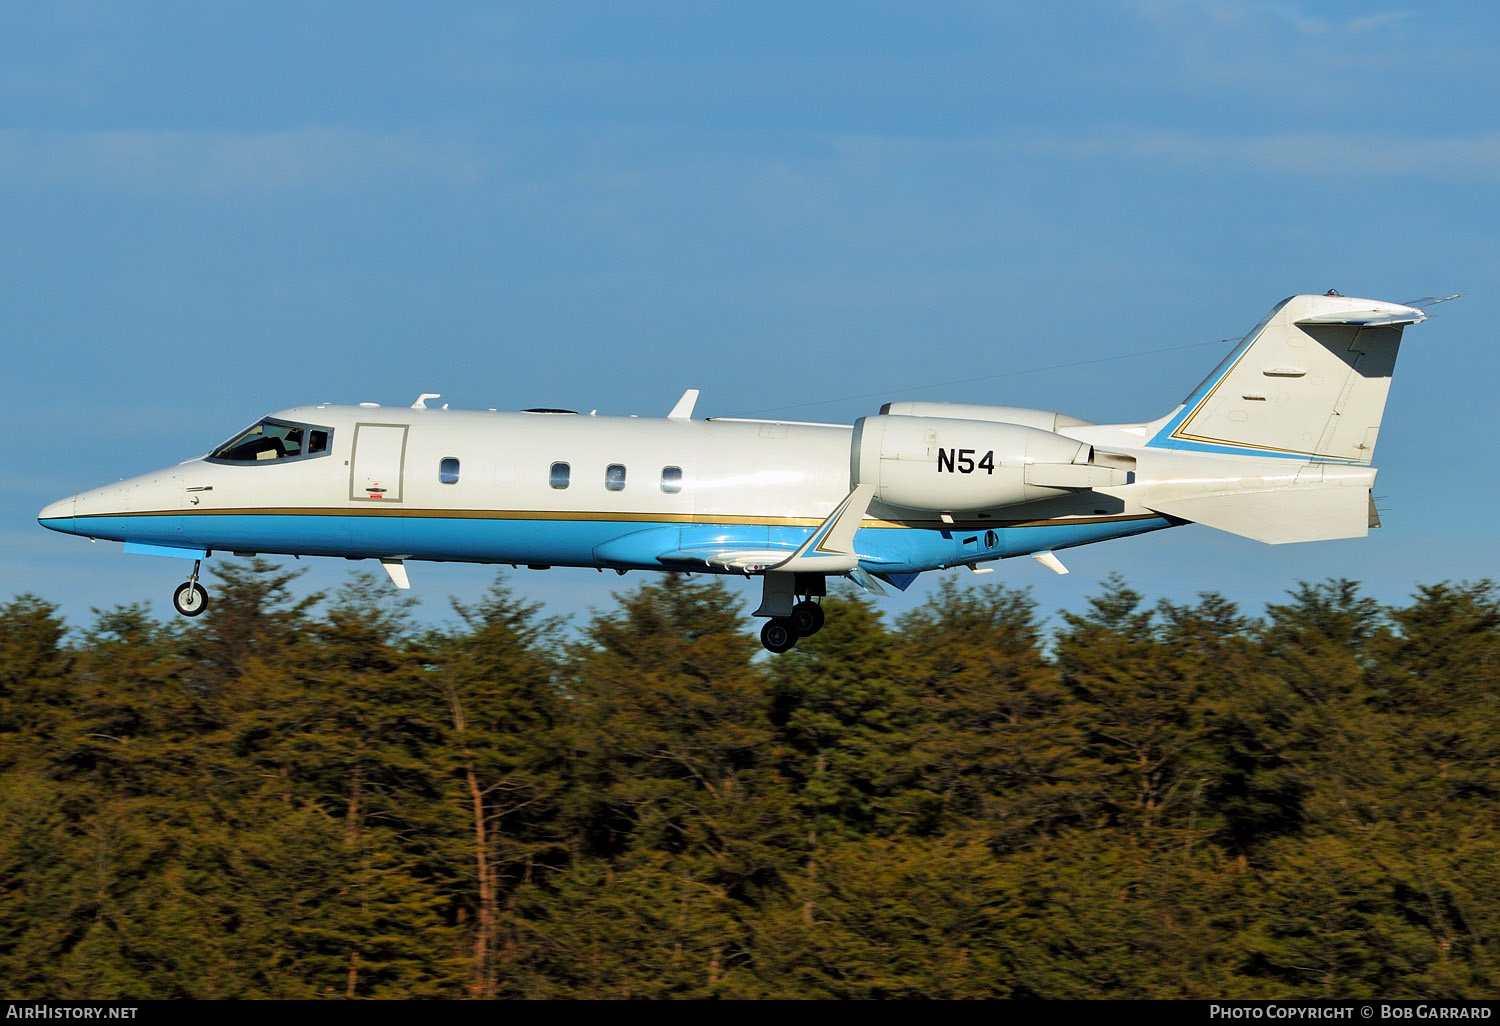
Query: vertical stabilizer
[(1309, 382)]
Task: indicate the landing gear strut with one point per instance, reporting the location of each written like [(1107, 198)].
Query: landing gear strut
[(789, 600), (190, 598)]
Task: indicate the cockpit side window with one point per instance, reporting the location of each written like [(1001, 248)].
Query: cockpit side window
[(274, 441)]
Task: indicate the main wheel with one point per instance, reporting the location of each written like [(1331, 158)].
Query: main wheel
[(190, 599), (807, 618), (778, 635)]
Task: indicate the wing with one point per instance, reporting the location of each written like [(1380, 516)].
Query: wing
[(747, 548)]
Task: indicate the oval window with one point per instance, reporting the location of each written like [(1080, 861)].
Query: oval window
[(671, 480), (614, 477), (448, 470), (559, 475)]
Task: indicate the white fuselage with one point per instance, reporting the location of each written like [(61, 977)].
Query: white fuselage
[(717, 495)]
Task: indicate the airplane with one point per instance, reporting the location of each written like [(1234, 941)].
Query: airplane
[(1275, 444)]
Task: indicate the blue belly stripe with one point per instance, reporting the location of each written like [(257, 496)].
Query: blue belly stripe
[(574, 542)]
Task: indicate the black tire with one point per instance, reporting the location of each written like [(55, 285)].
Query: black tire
[(778, 635), (190, 599), (807, 618)]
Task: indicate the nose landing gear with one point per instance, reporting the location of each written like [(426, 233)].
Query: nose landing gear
[(190, 598)]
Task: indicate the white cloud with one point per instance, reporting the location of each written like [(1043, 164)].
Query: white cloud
[(1323, 155), (1290, 55), (231, 162), (1332, 154), (1237, 14)]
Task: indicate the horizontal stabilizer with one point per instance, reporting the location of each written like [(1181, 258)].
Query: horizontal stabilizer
[(1278, 516), (1383, 316)]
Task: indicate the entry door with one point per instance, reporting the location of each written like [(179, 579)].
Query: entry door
[(379, 450)]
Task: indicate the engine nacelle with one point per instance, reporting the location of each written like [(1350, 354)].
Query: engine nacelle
[(946, 464), (1046, 420)]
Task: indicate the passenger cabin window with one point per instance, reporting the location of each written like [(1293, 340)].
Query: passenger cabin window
[(273, 440), (559, 476), (614, 477), (671, 480), (448, 470)]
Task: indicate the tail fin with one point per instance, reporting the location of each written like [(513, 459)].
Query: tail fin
[(1310, 382)]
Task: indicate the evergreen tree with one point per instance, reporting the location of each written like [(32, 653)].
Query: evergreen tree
[(1245, 790), (1436, 679), (356, 734), (1135, 709), (33, 665), (901, 917), (1188, 803), (990, 741), (1440, 673), (39, 881), (509, 739), (254, 617), (682, 805), (1329, 922), (845, 724), (1319, 646)]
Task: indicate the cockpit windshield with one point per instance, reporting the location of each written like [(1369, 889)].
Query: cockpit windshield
[(274, 440)]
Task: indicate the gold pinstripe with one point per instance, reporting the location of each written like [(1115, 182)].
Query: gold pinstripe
[(1182, 435), (613, 517)]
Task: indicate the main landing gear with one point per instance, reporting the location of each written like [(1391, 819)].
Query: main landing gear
[(780, 633), (790, 602), (190, 598)]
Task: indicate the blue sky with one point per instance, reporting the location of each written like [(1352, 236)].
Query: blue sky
[(210, 212)]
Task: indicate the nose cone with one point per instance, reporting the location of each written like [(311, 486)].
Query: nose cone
[(59, 515)]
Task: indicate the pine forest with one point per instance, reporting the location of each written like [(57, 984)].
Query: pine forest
[(307, 797)]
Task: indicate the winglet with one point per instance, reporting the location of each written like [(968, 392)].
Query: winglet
[(830, 550), (684, 408)]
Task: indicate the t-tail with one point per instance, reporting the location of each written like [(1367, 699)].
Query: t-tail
[(1310, 382), (1302, 397)]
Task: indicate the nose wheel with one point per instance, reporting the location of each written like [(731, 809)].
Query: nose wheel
[(190, 598)]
